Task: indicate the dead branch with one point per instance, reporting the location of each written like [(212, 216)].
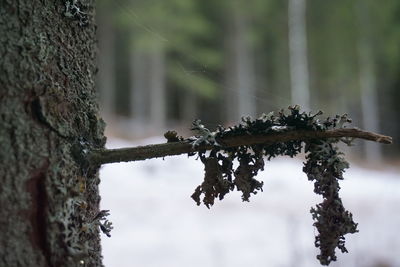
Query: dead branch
[(104, 156)]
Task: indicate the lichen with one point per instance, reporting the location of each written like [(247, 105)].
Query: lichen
[(77, 10), (324, 166)]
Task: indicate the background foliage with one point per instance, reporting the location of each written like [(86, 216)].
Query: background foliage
[(194, 54)]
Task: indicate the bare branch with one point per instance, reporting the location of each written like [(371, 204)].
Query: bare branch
[(104, 156)]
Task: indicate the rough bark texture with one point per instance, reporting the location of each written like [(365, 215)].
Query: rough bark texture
[(106, 80), (47, 111)]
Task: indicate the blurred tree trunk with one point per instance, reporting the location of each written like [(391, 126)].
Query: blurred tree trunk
[(189, 106), (139, 95), (369, 95), (240, 73), (105, 80), (299, 75), (48, 111), (157, 82), (148, 86)]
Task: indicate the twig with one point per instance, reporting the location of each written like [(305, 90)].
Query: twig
[(104, 156)]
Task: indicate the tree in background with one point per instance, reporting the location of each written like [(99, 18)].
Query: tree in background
[(383, 43), (210, 48), (367, 75), (167, 62), (240, 90), (299, 76)]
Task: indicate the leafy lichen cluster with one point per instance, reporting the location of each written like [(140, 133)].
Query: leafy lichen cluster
[(77, 222), (324, 167), (77, 10)]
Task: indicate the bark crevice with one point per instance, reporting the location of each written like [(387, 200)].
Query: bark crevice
[(37, 212)]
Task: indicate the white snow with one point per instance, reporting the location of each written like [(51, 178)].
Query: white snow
[(157, 224)]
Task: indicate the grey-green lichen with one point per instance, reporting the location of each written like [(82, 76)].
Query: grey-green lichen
[(77, 10), (325, 167), (47, 105)]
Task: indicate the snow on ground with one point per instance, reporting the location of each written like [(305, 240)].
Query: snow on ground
[(157, 224)]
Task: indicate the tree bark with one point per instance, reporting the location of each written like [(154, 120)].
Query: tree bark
[(48, 113), (106, 77)]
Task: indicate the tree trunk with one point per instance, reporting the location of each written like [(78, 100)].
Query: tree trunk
[(106, 77), (240, 73), (157, 88), (189, 106), (368, 91), (148, 96), (49, 115), (139, 101), (299, 76)]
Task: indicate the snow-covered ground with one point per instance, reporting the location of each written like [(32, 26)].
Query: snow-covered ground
[(157, 224)]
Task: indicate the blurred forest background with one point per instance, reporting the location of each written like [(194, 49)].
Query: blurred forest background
[(163, 63)]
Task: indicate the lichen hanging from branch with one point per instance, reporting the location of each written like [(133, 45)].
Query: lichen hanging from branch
[(324, 166), (253, 141), (184, 146)]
